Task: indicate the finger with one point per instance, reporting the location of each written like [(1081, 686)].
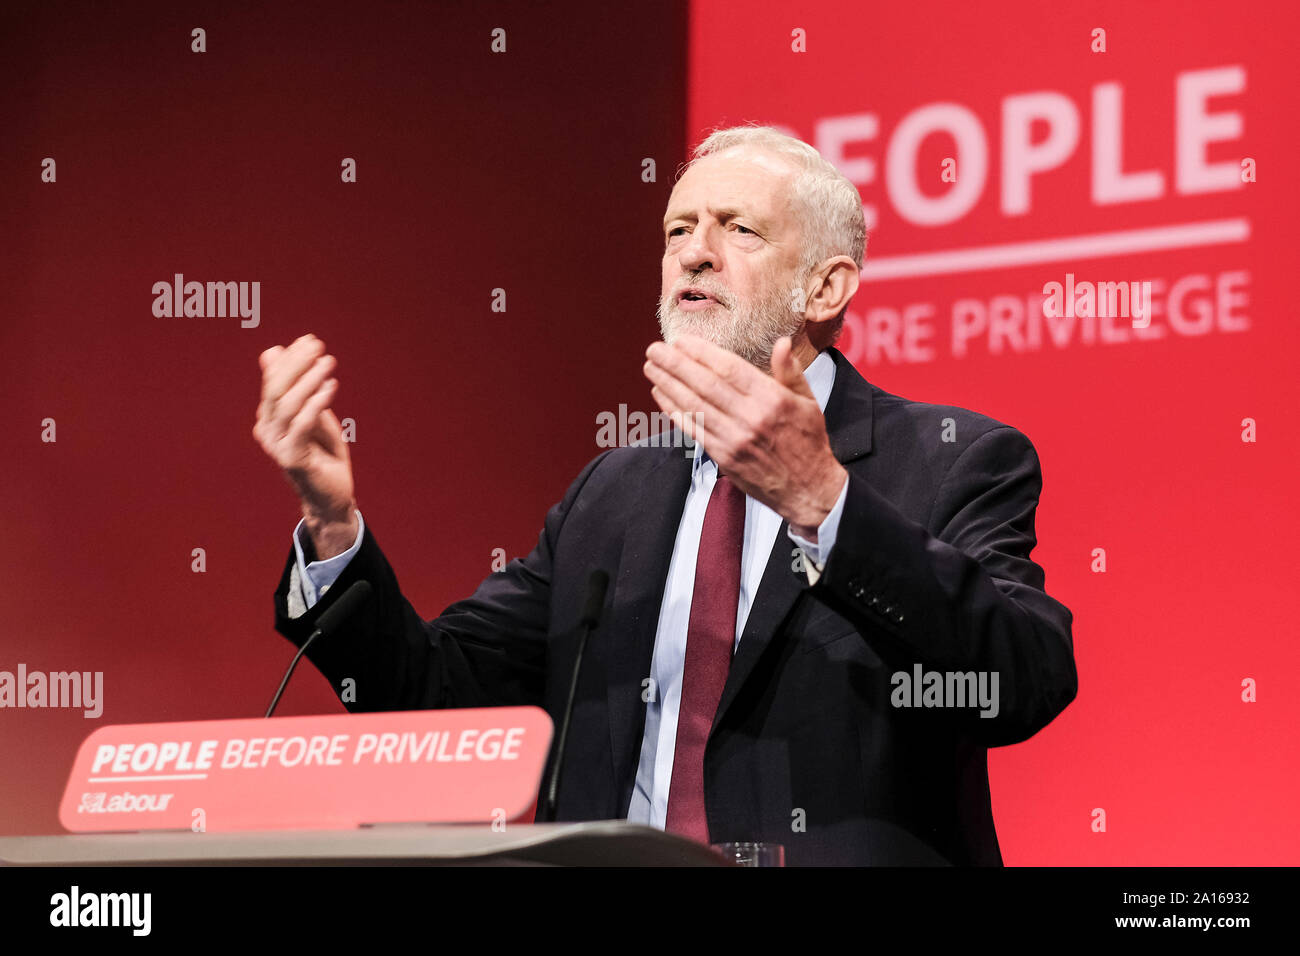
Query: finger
[(267, 357), (785, 368), (279, 370), (681, 395), (731, 428), (734, 424), (303, 389), (329, 431), (684, 421), (305, 421), (721, 376), (716, 357), (287, 367), (665, 364), (285, 371), (723, 434)]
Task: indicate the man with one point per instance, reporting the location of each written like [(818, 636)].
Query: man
[(773, 597)]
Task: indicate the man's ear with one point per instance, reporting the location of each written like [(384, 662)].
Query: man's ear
[(830, 288)]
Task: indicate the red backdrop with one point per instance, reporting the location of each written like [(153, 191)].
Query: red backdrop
[(1140, 437)]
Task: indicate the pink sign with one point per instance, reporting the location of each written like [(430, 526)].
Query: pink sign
[(479, 765)]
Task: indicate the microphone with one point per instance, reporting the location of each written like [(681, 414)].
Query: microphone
[(597, 585), (334, 615)]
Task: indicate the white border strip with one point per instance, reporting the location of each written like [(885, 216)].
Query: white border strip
[(1094, 246), (159, 776)]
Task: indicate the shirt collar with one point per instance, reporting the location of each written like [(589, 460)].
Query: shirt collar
[(820, 376)]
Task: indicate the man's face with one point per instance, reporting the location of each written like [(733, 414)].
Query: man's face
[(732, 243)]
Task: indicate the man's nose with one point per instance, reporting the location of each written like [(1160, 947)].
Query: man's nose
[(698, 251)]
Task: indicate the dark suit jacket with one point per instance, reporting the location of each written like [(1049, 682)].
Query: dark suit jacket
[(931, 566)]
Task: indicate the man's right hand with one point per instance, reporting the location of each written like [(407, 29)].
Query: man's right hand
[(296, 428)]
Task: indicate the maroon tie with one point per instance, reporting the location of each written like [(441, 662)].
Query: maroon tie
[(710, 637)]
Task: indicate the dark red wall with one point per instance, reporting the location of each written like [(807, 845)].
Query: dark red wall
[(476, 171)]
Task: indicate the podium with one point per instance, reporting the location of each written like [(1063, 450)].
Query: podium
[(600, 843), (330, 790)]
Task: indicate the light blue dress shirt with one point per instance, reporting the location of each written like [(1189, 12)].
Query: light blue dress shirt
[(762, 525)]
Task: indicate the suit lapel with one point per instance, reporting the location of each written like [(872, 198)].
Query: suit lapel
[(649, 537), (848, 424), (648, 542)]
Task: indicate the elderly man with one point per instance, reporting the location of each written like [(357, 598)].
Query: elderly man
[(817, 624)]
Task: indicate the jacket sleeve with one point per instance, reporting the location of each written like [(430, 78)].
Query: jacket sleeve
[(486, 650), (967, 597)]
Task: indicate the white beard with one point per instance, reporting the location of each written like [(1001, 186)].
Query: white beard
[(749, 328)]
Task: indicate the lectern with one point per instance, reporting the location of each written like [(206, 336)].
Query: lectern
[(417, 788)]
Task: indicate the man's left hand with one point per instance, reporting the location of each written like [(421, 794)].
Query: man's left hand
[(766, 432)]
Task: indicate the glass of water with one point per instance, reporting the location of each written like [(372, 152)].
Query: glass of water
[(752, 854)]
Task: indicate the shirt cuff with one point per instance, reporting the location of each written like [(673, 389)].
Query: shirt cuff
[(317, 577), (816, 555)]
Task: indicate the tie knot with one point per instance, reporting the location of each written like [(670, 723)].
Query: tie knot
[(725, 487)]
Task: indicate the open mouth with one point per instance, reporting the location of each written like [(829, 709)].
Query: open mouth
[(695, 298)]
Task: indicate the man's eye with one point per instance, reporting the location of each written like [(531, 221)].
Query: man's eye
[(745, 229)]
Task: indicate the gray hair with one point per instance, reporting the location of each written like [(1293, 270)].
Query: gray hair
[(832, 209)]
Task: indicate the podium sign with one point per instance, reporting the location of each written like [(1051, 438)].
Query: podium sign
[(480, 765)]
